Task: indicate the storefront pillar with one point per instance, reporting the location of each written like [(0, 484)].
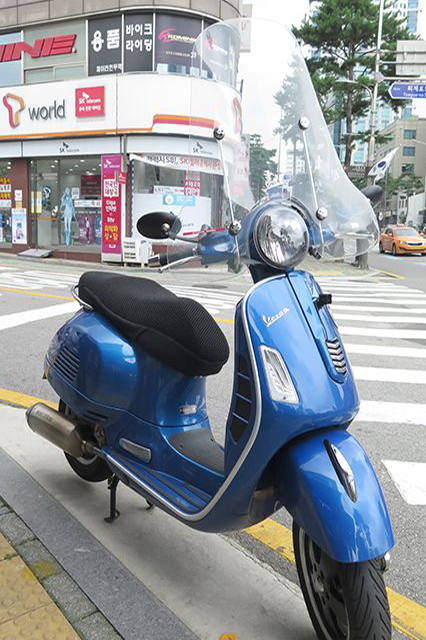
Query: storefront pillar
[(19, 176)]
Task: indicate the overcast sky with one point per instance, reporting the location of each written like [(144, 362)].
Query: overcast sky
[(287, 12)]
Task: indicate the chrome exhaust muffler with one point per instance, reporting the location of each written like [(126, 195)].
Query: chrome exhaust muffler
[(57, 429)]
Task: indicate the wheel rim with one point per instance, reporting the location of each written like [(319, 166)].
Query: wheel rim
[(87, 461), (324, 590)]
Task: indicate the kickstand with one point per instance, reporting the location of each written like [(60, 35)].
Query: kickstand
[(113, 511)]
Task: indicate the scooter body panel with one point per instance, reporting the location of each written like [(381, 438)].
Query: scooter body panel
[(309, 488), (135, 397)]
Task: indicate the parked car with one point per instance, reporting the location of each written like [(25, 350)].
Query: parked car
[(399, 240)]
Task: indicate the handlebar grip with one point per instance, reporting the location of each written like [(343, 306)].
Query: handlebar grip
[(168, 258)]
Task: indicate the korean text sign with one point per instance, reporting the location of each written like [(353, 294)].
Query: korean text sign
[(111, 204), (104, 46)]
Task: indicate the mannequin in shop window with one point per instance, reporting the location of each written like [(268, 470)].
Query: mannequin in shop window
[(67, 205)]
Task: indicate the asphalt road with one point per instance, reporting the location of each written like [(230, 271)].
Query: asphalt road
[(411, 268), (383, 322)]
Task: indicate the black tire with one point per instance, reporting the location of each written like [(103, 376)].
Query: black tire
[(343, 600), (394, 253), (90, 469), (381, 250)]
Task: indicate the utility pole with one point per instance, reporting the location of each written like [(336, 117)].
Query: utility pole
[(363, 257), (377, 80)]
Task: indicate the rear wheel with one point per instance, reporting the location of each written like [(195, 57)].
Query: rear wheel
[(344, 601), (381, 248), (91, 469)]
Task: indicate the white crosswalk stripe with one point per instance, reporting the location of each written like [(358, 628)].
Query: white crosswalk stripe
[(384, 320)]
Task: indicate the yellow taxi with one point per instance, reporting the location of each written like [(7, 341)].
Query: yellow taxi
[(399, 240)]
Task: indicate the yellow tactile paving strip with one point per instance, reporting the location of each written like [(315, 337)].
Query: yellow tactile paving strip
[(27, 612)]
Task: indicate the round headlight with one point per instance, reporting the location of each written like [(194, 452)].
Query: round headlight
[(281, 237)]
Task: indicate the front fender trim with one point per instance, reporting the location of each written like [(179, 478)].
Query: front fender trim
[(309, 487)]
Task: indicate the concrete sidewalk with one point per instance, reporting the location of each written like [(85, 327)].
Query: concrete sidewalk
[(38, 600), (147, 574)]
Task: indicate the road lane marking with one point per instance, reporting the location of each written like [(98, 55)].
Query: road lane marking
[(379, 332), (23, 399), (377, 318), (407, 616), (352, 307), (377, 374), (36, 293), (379, 350), (410, 479), (393, 302), (384, 290), (23, 317), (392, 412), (275, 536)]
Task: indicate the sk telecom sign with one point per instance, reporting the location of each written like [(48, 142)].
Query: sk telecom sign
[(89, 102), (42, 48)]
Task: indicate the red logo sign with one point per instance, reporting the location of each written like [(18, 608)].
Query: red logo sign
[(42, 48), (14, 105), (90, 102)]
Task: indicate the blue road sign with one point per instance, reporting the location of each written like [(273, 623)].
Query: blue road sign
[(407, 90)]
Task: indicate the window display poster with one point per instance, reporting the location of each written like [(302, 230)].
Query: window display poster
[(138, 42), (5, 192), (174, 39), (104, 46), (19, 226), (86, 229), (111, 204), (90, 185), (192, 183)]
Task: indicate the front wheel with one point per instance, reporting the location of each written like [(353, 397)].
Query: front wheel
[(394, 251), (344, 601), (381, 248)]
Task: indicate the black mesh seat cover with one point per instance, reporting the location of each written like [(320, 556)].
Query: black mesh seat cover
[(176, 331)]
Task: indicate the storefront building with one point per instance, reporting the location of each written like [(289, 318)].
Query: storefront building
[(92, 110)]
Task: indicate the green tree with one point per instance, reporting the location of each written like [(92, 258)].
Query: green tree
[(262, 165), (407, 183), (343, 38)]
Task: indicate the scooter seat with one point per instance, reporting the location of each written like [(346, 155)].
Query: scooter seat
[(177, 331)]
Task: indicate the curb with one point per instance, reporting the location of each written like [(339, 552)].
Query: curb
[(64, 594)]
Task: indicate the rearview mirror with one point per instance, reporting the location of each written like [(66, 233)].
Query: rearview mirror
[(374, 193), (159, 225)]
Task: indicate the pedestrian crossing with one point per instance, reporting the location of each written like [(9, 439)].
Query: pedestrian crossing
[(386, 321), (30, 280)]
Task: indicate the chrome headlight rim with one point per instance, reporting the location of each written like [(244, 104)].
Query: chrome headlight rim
[(256, 235)]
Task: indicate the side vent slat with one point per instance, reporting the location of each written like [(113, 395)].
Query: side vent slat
[(338, 357), (243, 403), (67, 364)]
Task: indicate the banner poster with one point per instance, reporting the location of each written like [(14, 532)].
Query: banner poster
[(104, 45), (174, 40), (19, 226), (111, 204), (138, 41)]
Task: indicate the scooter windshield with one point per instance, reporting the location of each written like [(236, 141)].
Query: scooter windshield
[(255, 122)]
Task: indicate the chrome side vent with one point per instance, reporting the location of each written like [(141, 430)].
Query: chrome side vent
[(338, 357), (67, 364)]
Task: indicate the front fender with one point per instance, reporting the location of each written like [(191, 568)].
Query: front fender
[(310, 489)]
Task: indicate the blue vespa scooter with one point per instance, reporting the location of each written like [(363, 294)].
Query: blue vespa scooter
[(130, 368)]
